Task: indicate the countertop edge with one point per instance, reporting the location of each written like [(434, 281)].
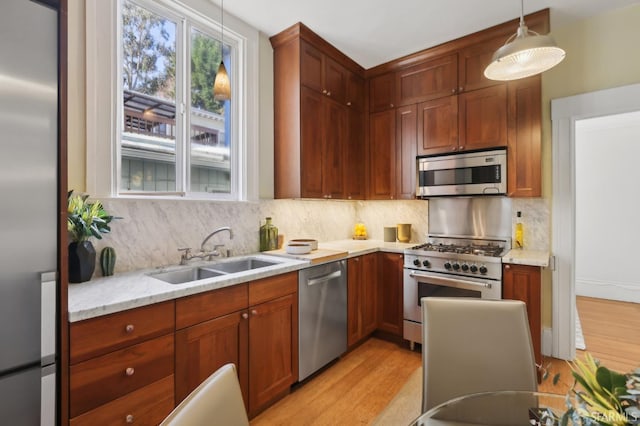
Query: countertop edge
[(527, 257)]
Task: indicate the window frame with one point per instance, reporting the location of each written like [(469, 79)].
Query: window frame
[(104, 98)]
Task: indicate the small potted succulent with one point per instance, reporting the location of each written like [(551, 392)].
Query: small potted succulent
[(84, 220)]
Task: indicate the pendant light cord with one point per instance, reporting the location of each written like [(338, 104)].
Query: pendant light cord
[(521, 12), (222, 29)]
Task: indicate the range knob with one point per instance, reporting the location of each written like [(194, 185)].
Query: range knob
[(483, 269), (447, 265), (473, 268), (456, 266), (464, 267), (416, 262), (426, 264)]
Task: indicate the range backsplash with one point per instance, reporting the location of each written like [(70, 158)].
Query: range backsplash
[(151, 231)]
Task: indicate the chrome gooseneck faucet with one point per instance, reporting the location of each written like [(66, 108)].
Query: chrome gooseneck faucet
[(186, 252)]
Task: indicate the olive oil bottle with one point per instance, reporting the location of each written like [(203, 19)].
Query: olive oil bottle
[(519, 232)]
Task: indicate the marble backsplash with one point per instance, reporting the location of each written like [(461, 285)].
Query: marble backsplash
[(150, 232)]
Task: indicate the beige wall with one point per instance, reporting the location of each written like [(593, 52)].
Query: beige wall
[(602, 52), (76, 97)]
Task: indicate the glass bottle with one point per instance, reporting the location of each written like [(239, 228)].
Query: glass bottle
[(519, 232), (268, 236)]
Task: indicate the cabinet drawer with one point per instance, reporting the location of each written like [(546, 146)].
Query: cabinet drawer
[(146, 406), (273, 287), (105, 334), (105, 378), (205, 306)]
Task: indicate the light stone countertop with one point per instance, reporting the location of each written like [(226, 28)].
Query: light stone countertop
[(527, 257), (128, 290)]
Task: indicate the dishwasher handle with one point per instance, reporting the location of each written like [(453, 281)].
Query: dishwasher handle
[(324, 278)]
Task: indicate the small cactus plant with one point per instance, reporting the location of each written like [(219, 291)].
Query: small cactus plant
[(107, 261)]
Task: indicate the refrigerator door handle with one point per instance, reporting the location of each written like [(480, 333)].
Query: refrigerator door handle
[(48, 318), (48, 396)]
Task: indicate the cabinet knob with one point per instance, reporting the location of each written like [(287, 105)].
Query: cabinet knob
[(129, 418), (328, 93), (461, 147), (453, 90), (324, 91), (349, 103), (507, 266), (460, 89), (129, 371), (391, 105), (245, 315), (254, 312), (129, 328), (454, 148)]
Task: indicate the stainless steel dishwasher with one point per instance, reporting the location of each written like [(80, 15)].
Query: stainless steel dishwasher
[(322, 314)]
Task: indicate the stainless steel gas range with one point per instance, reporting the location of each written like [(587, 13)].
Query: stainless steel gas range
[(454, 264)]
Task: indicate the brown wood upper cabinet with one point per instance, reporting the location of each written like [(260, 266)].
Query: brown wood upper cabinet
[(322, 74), (432, 79), (472, 62), (382, 92), (316, 90)]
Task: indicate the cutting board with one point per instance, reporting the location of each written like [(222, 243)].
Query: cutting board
[(316, 256)]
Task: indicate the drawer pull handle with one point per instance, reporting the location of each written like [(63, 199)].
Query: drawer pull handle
[(245, 315), (129, 328), (129, 371), (129, 418), (254, 312)]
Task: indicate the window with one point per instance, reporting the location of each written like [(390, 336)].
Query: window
[(153, 125), (155, 114)]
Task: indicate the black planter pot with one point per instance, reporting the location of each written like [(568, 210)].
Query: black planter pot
[(82, 261)]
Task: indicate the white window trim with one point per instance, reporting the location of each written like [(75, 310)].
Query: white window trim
[(103, 92)]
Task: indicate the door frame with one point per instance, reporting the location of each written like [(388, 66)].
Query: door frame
[(564, 114)]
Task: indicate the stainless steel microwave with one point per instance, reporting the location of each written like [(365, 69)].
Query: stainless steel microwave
[(474, 173)]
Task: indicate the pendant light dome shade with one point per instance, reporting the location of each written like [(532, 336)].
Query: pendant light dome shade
[(525, 55), (221, 85)]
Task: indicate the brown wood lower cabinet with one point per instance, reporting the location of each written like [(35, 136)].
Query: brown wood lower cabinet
[(390, 292), (146, 406), (260, 337), (361, 297), (521, 282)]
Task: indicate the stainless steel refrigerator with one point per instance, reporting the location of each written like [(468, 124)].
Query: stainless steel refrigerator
[(28, 211)]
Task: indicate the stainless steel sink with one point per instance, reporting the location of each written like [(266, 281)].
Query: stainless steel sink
[(241, 265), (182, 276)]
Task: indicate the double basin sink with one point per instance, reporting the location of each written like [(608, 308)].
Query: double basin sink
[(186, 275)]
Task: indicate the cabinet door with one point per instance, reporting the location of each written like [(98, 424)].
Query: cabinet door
[(369, 293), (433, 79), (335, 80), (355, 157), (382, 92), (354, 291), (273, 359), (203, 348), (483, 118), (438, 126), (524, 163), (406, 141), (521, 282), (472, 62), (311, 143), (382, 155), (311, 63), (355, 92), (390, 292), (336, 133)]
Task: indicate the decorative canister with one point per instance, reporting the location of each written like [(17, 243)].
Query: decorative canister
[(268, 236)]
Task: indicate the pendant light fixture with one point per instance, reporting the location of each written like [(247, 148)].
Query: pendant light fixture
[(524, 54), (221, 85)]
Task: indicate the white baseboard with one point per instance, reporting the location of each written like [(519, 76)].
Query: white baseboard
[(612, 290), (547, 339)]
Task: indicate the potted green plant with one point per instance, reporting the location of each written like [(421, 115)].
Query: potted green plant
[(84, 220), (602, 396)]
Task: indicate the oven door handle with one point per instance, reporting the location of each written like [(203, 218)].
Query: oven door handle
[(445, 281)]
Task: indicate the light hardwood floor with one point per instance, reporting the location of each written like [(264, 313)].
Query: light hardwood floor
[(355, 389)]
